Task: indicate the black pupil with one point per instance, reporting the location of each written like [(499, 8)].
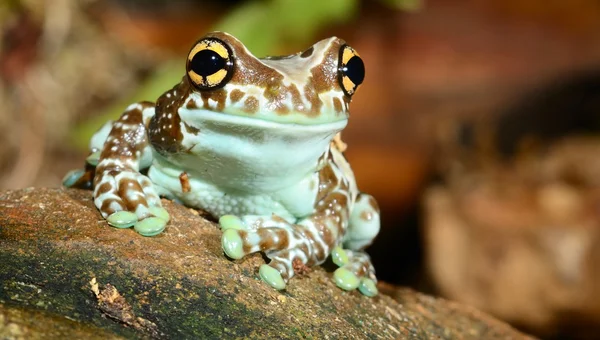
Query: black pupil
[(355, 70), (207, 62)]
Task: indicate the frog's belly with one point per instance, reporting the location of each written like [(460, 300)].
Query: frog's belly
[(215, 200)]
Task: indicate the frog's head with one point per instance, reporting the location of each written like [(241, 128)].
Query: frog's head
[(234, 113), (308, 88)]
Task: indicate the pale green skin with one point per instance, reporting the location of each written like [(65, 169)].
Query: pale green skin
[(240, 165)]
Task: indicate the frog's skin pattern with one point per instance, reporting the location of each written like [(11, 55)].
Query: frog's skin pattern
[(254, 146)]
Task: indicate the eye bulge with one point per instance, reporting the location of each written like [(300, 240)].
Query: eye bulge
[(210, 64), (351, 70)]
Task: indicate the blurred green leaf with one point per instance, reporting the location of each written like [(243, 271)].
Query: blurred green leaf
[(405, 5)]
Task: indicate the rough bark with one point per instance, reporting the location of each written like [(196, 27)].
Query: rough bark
[(64, 270)]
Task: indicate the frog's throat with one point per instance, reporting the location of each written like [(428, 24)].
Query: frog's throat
[(270, 155)]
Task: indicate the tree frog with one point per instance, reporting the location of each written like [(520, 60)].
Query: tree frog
[(255, 143)]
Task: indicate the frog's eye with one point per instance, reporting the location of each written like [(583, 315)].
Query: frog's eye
[(210, 64), (351, 70)]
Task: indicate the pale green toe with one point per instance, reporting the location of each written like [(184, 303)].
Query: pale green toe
[(160, 212), (72, 177), (93, 158), (339, 256), (150, 226), (368, 287), (122, 219), (232, 244), (231, 222), (345, 279), (271, 276)]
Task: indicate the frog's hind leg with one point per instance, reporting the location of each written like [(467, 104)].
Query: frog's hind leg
[(355, 265), (285, 244), (306, 243)]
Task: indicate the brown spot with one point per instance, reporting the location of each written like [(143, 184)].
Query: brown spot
[(185, 182), (191, 129), (191, 105), (236, 95), (337, 105), (366, 215), (251, 105), (308, 52), (276, 96), (315, 100), (323, 78)]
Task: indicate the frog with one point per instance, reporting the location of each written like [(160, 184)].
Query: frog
[(254, 142)]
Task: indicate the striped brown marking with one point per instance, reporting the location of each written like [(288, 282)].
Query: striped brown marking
[(218, 95), (184, 180), (164, 130), (315, 101), (327, 182), (325, 75), (106, 206), (337, 105), (251, 105), (104, 188), (236, 95), (126, 187)]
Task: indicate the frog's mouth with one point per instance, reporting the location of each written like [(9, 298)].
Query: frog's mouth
[(201, 118)]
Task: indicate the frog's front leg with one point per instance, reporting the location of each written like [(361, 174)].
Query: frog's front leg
[(307, 242), (123, 195)]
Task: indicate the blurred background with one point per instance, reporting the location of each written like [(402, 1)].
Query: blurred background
[(477, 127)]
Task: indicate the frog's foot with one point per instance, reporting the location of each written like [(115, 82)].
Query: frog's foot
[(356, 271), (127, 198), (285, 244)]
